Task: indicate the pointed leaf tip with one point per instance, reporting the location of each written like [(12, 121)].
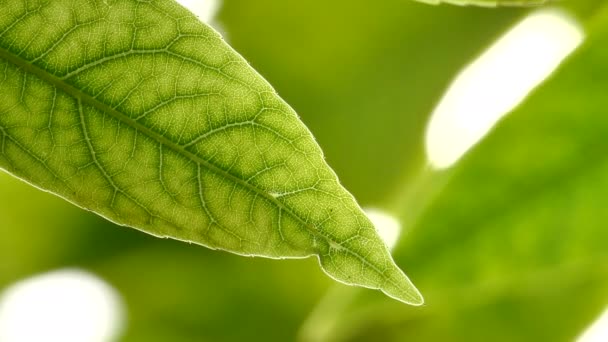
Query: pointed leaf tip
[(364, 260), (139, 112)]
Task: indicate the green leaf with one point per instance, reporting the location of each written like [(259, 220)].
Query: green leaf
[(519, 232), (490, 3), (137, 111)]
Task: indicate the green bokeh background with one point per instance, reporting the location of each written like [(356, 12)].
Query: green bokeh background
[(511, 244)]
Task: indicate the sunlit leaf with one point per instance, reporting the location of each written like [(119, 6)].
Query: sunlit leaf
[(515, 247), (137, 111)]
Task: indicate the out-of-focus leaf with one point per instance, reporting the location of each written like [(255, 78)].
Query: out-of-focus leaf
[(30, 242), (189, 306), (198, 293), (515, 248), (143, 114), (363, 76), (490, 3)]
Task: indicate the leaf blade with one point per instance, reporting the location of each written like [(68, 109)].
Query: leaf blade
[(157, 124)]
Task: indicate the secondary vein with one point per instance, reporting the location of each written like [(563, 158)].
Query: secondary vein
[(83, 97)]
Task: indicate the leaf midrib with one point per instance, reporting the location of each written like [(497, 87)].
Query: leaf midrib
[(88, 99)]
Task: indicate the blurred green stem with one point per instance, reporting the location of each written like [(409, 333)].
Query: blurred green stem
[(323, 320), (418, 194)]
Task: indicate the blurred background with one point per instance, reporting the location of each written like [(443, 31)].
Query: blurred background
[(507, 243)]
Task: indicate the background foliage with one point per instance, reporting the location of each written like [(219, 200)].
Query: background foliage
[(512, 247)]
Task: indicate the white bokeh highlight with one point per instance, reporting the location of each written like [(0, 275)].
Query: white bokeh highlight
[(388, 226), (498, 81), (205, 10), (61, 306), (598, 331)]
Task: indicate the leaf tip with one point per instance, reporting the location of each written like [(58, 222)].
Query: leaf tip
[(398, 286), (406, 293), (392, 281)]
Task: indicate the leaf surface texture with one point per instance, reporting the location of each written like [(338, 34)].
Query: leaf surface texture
[(139, 112)]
